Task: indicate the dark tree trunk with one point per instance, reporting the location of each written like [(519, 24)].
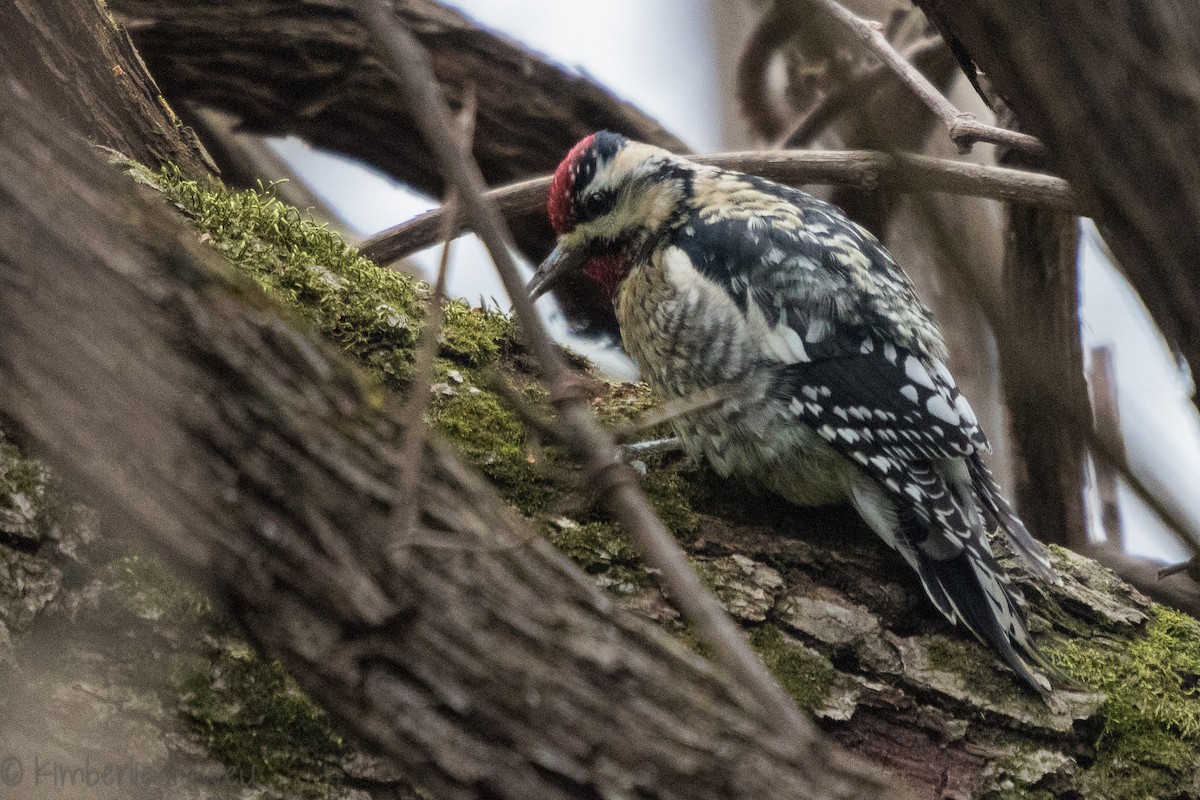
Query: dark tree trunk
[(1041, 291)]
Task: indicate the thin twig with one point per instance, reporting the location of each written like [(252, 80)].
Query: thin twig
[(420, 384), (588, 441), (864, 169), (847, 94), (680, 407), (964, 129), (1191, 567), (1144, 575), (425, 360)]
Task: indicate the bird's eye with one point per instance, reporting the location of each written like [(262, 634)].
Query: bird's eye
[(597, 204)]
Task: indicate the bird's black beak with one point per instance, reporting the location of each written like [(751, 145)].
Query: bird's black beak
[(556, 265)]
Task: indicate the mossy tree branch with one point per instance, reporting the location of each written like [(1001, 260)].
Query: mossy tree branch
[(253, 458), (833, 616)]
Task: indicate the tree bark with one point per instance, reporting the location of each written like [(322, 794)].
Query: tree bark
[(1120, 121), (86, 67), (251, 457), (1042, 300)]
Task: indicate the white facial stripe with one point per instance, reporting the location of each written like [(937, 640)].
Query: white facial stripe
[(642, 208)]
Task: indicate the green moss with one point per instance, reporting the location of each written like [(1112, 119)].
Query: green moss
[(492, 438), (688, 635), (147, 589), (20, 475), (373, 312), (805, 675), (473, 335), (1151, 730), (594, 546), (625, 403), (961, 656), (666, 490), (250, 715)]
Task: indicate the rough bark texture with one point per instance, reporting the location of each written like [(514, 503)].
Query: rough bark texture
[(56, 52), (446, 630), (1113, 89), (174, 396)]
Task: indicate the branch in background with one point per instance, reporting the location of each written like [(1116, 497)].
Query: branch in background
[(1191, 567), (849, 94), (862, 169), (587, 440), (283, 67), (964, 129), (1147, 576), (774, 29), (1041, 300), (1106, 408)]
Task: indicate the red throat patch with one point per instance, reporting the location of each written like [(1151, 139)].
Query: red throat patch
[(609, 269), (560, 204)]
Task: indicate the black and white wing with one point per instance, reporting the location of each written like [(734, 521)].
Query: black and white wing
[(859, 360)]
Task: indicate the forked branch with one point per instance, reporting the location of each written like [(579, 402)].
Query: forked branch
[(964, 129)]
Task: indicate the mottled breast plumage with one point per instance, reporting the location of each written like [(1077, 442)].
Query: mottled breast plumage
[(759, 279)]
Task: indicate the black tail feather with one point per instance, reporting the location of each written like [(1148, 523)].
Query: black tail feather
[(986, 602), (1000, 516)]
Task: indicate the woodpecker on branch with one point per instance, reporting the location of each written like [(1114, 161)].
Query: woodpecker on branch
[(719, 277)]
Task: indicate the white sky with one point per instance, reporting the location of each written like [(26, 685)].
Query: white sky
[(1162, 433), (674, 79)]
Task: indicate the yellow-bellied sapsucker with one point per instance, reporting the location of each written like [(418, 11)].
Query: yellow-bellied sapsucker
[(719, 277)]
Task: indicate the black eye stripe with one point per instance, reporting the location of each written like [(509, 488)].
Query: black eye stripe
[(595, 204)]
